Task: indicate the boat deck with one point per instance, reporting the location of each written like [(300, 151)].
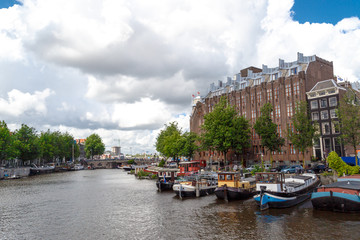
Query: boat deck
[(354, 185)]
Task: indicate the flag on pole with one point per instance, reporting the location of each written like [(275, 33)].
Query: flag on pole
[(198, 93), (193, 95)]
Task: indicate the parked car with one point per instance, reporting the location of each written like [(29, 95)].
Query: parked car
[(318, 168), (292, 169), (278, 168), (252, 167)]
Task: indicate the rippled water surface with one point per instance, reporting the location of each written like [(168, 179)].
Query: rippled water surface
[(110, 204)]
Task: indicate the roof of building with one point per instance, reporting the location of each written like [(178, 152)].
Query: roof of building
[(330, 83)]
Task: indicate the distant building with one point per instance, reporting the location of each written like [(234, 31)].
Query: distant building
[(115, 151), (282, 86), (81, 144)]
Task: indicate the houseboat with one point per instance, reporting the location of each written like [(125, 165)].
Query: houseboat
[(340, 196), (166, 178), (35, 170), (191, 167), (232, 186), (277, 191), (197, 185)]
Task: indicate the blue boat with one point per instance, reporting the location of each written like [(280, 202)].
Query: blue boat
[(277, 191), (340, 196)]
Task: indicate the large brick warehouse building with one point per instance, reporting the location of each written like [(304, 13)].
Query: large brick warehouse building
[(283, 86)]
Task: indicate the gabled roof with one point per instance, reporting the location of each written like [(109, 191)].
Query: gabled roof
[(325, 85)]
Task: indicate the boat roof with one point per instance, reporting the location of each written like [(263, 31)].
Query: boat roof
[(189, 162), (350, 178), (354, 185), (293, 184), (301, 177)]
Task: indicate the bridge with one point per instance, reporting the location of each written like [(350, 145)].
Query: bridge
[(114, 163)]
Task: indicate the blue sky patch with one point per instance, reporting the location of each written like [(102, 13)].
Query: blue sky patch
[(8, 3), (325, 11)]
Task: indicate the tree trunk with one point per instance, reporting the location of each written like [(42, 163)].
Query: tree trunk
[(303, 158), (356, 163), (271, 159)]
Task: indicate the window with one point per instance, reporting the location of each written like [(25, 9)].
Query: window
[(333, 113), (315, 116), (253, 114), (276, 93), (293, 71), (228, 177), (258, 97), (269, 94), (288, 90), (289, 109), (279, 129), (323, 103), (296, 88), (243, 101), (314, 104), (274, 76), (277, 111), (324, 114), (332, 101), (253, 99), (335, 127), (325, 128)]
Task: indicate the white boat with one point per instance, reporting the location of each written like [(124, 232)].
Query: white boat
[(196, 186), (278, 191), (78, 167)]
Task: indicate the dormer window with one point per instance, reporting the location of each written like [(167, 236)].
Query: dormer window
[(274, 76), (293, 71)]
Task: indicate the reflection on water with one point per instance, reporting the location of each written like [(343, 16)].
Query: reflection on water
[(110, 204)]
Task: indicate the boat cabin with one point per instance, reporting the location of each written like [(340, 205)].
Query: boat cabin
[(233, 179), (188, 168), (270, 181), (168, 173)]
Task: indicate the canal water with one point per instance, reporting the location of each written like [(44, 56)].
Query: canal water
[(110, 204)]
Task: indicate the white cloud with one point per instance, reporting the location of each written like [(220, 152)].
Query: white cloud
[(126, 68), (19, 103)]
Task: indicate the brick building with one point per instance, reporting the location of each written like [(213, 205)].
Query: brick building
[(283, 86), (323, 100)]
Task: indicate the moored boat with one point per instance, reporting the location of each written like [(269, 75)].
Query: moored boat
[(166, 178), (231, 186), (340, 196), (277, 191), (35, 170), (196, 185)]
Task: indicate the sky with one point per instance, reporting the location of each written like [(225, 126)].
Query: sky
[(124, 68)]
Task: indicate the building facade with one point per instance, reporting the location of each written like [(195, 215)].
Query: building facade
[(323, 100), (282, 86)]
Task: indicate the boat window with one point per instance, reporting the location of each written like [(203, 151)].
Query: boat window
[(228, 177), (221, 177)]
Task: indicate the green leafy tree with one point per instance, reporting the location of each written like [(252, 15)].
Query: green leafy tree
[(7, 149), (94, 146), (267, 130), (303, 132), (188, 144), (223, 130), (349, 117), (27, 143), (47, 146), (337, 164), (169, 142)]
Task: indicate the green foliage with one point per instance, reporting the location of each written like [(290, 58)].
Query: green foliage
[(27, 143), (131, 161), (162, 163), (7, 149), (169, 142), (257, 169), (94, 146), (224, 130), (188, 144), (303, 133), (337, 164), (142, 173), (327, 174), (267, 130), (349, 116)]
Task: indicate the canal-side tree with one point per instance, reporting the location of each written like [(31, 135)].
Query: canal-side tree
[(94, 146), (27, 143), (7, 149), (47, 145), (302, 132), (267, 130), (349, 117), (169, 141), (188, 144), (224, 130)]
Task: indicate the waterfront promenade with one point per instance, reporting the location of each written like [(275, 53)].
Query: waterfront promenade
[(111, 204)]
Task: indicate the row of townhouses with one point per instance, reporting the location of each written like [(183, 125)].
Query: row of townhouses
[(309, 78)]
